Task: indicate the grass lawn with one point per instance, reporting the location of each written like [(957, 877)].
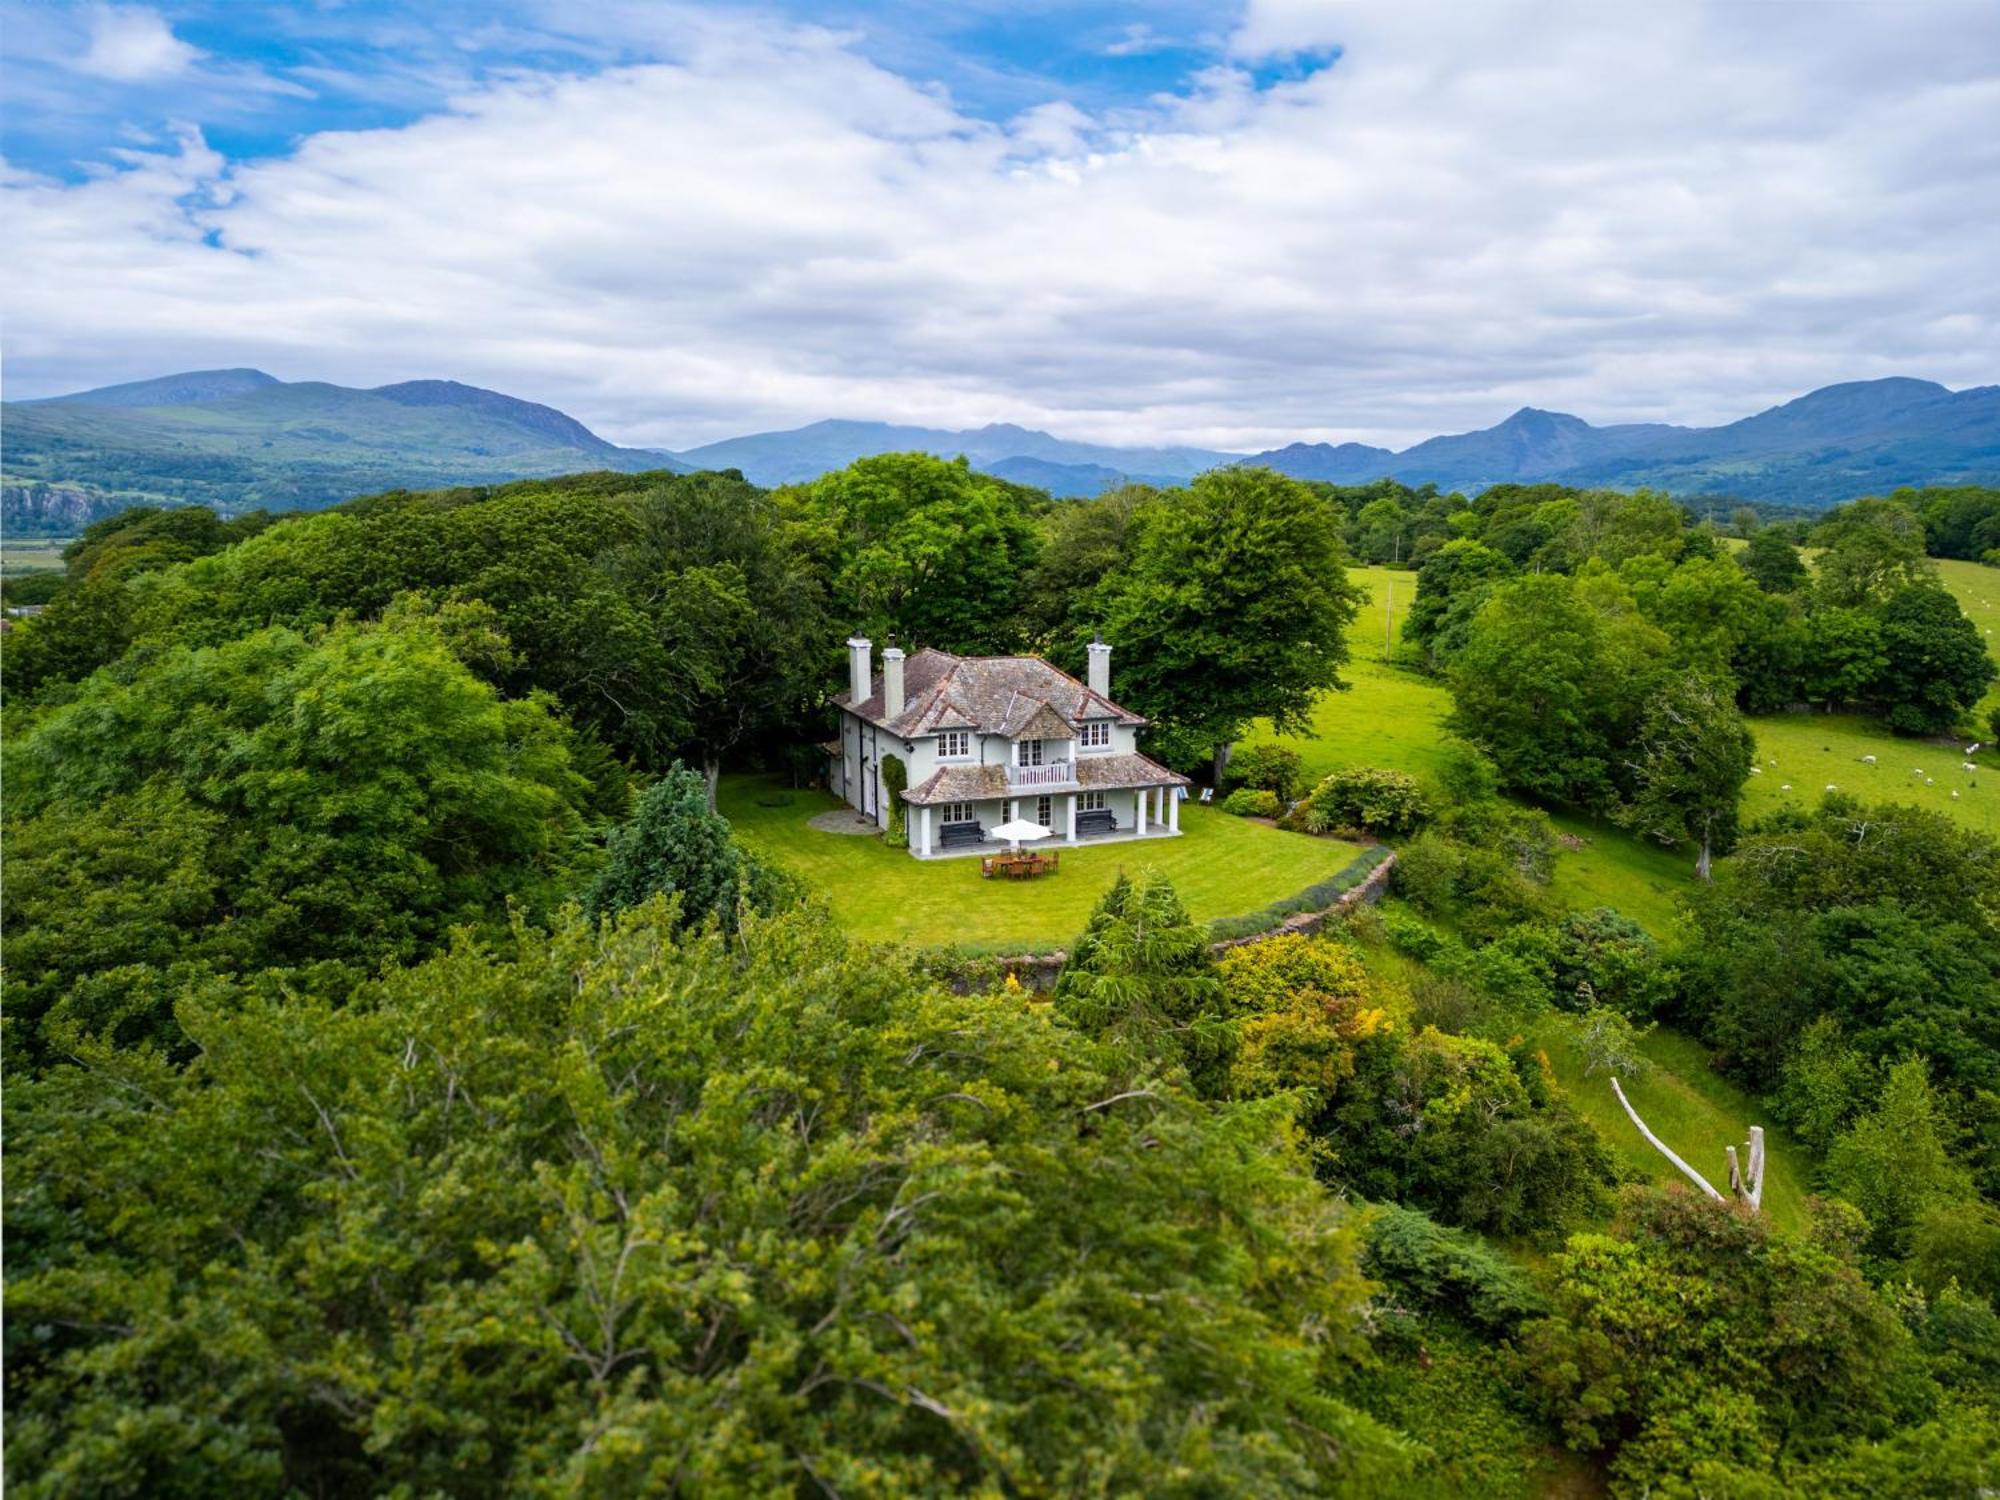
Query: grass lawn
[(1977, 589), (1693, 1109), (1222, 867)]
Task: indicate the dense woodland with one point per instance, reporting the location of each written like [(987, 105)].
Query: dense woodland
[(413, 1085)]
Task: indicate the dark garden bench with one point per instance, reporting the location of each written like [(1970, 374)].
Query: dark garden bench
[(960, 835), (1097, 820)]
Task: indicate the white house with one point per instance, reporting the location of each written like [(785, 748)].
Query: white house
[(988, 739)]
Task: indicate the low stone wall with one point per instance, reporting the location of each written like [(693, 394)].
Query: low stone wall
[(1038, 971)]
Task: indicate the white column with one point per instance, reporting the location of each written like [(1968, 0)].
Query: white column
[(1173, 809), (924, 830), (1139, 809), (1071, 835)]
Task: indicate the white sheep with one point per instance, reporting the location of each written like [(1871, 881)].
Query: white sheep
[(1831, 787), (1966, 765), (1786, 787), (1954, 796), (1756, 770), (1867, 760)]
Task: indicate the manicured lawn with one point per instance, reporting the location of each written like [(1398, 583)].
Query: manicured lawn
[(1222, 867), (1693, 1109)]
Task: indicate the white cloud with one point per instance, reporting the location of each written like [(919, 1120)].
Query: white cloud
[(1678, 213), (129, 43)]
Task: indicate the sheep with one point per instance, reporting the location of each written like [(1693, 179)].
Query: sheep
[(1831, 787), (1954, 796), (1756, 770), (1966, 765), (1786, 787), (1867, 760)]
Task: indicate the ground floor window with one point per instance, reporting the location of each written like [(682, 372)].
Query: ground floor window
[(1092, 802), (1045, 811), (957, 812)]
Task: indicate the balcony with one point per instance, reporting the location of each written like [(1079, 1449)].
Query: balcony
[(1055, 773)]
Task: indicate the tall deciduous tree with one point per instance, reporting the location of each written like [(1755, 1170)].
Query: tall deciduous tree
[(1688, 767), (1234, 607), (1773, 563), (1935, 666), (924, 547)]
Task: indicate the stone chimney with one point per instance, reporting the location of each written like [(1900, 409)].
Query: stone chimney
[(860, 669), (892, 680), (1100, 668)]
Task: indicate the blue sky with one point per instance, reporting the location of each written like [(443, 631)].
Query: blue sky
[(1228, 225), (265, 75)]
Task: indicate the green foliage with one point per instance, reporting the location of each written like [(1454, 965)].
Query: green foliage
[(1894, 1163), (1383, 802), (675, 844), (926, 548), (895, 781), (1481, 887), (1297, 1005), (1276, 769), (1604, 958), (1958, 522), (1869, 550), (1430, 1267), (1232, 606), (1250, 802), (1773, 563), (277, 801), (1688, 764), (1706, 1339), (1824, 1083), (1935, 666), (1609, 1043), (1550, 685), (760, 1209), (1881, 918), (1452, 1125), (1140, 978), (1452, 585)]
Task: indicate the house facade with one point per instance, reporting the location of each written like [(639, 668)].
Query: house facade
[(989, 739)]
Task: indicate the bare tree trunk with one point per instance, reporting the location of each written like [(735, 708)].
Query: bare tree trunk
[(711, 772), (1663, 1148), (1705, 863), (1222, 762)]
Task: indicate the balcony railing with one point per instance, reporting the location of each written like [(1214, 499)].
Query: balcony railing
[(1055, 773)]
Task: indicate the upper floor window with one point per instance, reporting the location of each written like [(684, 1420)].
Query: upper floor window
[(1094, 736), (1027, 752), (954, 743)]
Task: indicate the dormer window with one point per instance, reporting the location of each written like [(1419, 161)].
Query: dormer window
[(955, 744), (1094, 736)]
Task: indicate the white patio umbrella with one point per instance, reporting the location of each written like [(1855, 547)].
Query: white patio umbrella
[(1020, 829)]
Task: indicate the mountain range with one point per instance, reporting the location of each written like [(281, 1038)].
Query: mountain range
[(237, 439)]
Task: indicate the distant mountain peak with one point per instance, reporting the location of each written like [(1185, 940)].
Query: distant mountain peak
[(188, 388)]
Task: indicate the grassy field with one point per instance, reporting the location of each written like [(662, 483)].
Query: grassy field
[(1222, 867), (1977, 589), (1693, 1109), (32, 554), (1801, 755)]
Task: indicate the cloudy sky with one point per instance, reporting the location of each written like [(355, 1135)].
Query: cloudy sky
[(1236, 227)]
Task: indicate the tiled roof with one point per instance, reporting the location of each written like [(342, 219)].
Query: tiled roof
[(987, 783), (992, 694), (959, 784), (1099, 772)]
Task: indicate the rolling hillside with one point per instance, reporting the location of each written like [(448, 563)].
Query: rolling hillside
[(239, 440)]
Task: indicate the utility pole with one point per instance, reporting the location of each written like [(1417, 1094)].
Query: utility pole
[(1389, 619)]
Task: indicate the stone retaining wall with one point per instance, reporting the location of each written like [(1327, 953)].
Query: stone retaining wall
[(1038, 971)]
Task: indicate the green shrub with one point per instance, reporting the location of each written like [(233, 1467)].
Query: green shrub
[(1449, 1270), (1605, 958), (1428, 871), (895, 779), (1390, 803), (1270, 768), (1408, 935), (1251, 802)]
